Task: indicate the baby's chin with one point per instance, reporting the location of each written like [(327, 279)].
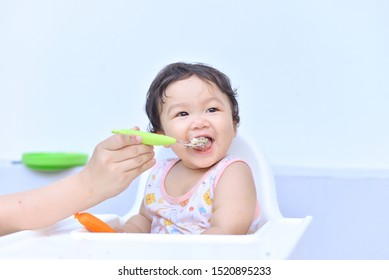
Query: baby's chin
[(202, 163)]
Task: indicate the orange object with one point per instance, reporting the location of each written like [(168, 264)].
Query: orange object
[(93, 223)]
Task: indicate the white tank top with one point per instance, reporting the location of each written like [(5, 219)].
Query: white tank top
[(190, 213)]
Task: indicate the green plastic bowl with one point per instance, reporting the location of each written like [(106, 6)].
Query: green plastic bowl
[(48, 161)]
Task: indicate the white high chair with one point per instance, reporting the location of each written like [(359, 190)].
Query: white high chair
[(275, 239)]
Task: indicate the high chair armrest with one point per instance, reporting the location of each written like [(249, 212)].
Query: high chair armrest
[(277, 238)]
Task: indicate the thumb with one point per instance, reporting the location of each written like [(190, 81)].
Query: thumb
[(118, 141)]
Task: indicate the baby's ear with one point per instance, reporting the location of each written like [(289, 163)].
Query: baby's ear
[(235, 128)]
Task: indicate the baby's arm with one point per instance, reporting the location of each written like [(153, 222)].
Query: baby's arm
[(234, 202), (140, 223)]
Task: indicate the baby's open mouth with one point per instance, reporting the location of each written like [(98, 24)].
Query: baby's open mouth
[(201, 143)]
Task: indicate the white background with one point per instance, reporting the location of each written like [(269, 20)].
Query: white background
[(312, 76)]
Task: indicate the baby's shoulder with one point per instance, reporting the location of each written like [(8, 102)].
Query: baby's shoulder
[(231, 168), (232, 163), (237, 168)]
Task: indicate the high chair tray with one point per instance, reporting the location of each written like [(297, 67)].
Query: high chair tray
[(69, 240)]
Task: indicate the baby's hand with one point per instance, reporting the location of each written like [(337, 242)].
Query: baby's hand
[(115, 163)]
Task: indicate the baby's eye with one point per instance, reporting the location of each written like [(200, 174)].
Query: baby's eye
[(212, 110), (182, 114)]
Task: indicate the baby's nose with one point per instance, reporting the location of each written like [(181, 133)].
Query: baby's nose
[(200, 123)]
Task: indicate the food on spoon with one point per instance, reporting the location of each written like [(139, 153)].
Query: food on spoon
[(199, 142)]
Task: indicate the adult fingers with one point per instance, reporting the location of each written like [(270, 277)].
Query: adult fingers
[(118, 141), (143, 167), (128, 170), (131, 152), (136, 162)]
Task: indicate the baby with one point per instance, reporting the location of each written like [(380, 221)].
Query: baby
[(204, 190)]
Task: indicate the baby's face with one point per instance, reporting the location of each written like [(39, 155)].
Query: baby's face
[(195, 108)]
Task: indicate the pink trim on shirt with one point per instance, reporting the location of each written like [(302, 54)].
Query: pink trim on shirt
[(188, 194), (195, 212)]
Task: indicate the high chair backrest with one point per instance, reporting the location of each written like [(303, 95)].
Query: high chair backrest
[(242, 147)]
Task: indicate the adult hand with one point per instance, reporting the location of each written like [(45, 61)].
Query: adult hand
[(115, 163)]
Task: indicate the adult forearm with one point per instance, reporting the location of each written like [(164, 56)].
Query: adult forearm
[(44, 206)]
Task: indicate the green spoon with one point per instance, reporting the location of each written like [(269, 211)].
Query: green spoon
[(148, 138)]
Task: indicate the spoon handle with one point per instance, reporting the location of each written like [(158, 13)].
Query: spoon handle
[(148, 138)]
